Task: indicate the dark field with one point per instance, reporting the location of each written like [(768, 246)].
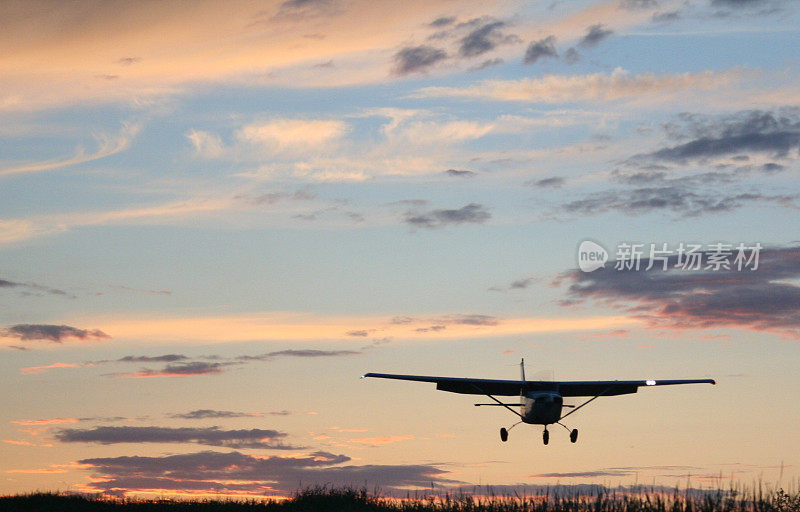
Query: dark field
[(325, 499)]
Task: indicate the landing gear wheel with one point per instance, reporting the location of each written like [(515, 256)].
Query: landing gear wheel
[(573, 436), (546, 437), (503, 435)]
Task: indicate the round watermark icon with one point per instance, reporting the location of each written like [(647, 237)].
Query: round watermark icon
[(591, 256)]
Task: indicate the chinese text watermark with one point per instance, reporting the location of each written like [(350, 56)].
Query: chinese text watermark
[(662, 256)]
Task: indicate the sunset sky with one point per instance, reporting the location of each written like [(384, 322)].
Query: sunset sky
[(216, 216)]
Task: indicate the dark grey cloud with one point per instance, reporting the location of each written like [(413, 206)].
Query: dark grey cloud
[(738, 3), (764, 299), (594, 35), (415, 59), (460, 173), (484, 38), (517, 284), (541, 49), (673, 196), (775, 133), (572, 56), (472, 213), (638, 4), (243, 474), (469, 319), (54, 333), (270, 198), (140, 290), (129, 61), (211, 436), (201, 414), (187, 369), (34, 289), (361, 333), (553, 182), (666, 17), (166, 358), (521, 284), (487, 64), (298, 10), (298, 353), (443, 21)]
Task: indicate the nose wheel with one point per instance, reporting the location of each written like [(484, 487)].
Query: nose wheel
[(545, 436)]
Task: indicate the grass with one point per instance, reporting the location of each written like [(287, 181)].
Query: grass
[(324, 499)]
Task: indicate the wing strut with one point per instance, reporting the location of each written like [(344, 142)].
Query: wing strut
[(587, 402), (496, 400)]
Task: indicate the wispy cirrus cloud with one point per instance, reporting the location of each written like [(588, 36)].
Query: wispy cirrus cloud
[(36, 370), (304, 327), (381, 440), (619, 85), (107, 145)]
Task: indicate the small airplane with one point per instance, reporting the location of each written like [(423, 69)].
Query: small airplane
[(541, 402)]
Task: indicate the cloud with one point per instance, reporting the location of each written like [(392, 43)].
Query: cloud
[(33, 288), (139, 290), (765, 299), (415, 59), (211, 436), (200, 414), (460, 173), (166, 358), (237, 473), (776, 134), (291, 135), (472, 213), (677, 197), (49, 421), (36, 370), (189, 369), (206, 144), (483, 39), (54, 333), (553, 182), (443, 21), (594, 35), (381, 440), (299, 353), (543, 48), (597, 87), (107, 145)]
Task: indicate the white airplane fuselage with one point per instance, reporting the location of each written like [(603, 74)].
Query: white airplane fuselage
[(541, 407)]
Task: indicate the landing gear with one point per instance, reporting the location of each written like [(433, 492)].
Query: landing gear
[(503, 434), (573, 436), (545, 436)]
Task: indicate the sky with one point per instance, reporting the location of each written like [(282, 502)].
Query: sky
[(215, 217)]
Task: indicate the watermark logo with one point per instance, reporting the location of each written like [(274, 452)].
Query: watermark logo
[(683, 256), (591, 256)]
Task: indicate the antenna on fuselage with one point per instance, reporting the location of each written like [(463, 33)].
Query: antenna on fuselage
[(522, 369)]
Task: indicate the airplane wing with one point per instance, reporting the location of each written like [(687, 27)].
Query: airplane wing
[(514, 387)]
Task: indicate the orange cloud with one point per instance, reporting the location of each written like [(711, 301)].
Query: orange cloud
[(381, 440), (50, 421), (35, 370), (306, 327)]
